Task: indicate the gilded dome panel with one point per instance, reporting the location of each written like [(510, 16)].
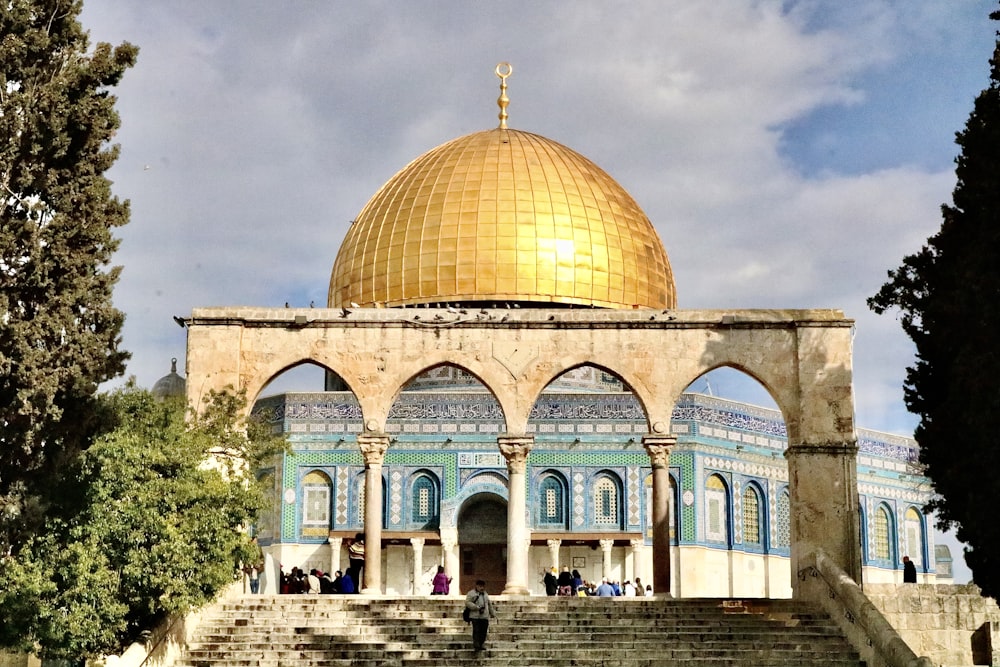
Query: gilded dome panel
[(502, 215)]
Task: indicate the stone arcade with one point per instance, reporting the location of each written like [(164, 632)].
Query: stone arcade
[(517, 264)]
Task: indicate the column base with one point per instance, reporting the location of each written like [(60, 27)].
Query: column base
[(371, 592), (515, 590)]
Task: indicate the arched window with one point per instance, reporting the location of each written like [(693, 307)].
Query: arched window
[(606, 500), (913, 535), (882, 537), (751, 516), (316, 504), (784, 534), (552, 502), (716, 511), (424, 496)]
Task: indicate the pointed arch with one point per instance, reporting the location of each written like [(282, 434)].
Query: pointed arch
[(754, 516), (552, 503), (717, 511), (606, 499), (883, 535), (915, 537), (425, 500), (317, 496)]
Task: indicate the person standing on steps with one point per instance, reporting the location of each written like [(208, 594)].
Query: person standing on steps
[(356, 558), (909, 571), (477, 601), (441, 583)]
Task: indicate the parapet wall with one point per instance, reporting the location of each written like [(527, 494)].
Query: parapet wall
[(940, 622)]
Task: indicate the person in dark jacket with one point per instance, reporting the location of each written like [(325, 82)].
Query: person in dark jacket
[(909, 571), (564, 584), (551, 587)]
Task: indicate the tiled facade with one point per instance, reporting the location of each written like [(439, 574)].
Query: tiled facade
[(583, 440)]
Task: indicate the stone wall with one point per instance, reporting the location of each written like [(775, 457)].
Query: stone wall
[(940, 621)]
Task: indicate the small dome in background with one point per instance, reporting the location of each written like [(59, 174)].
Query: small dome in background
[(170, 385)]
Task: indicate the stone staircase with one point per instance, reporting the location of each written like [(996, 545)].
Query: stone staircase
[(356, 631)]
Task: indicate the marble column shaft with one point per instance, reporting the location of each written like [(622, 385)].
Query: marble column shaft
[(658, 449), (373, 447), (418, 564), (516, 449)]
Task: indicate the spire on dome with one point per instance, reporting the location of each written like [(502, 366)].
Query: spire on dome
[(503, 70)]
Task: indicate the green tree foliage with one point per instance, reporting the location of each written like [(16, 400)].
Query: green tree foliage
[(948, 297), (59, 332), (144, 528)]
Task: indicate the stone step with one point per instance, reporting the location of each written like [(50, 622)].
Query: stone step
[(486, 659), (330, 631)]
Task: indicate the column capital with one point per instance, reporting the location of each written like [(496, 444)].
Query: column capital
[(553, 544), (606, 544), (335, 541), (658, 448), (449, 538), (515, 448), (636, 544), (417, 542), (373, 447)]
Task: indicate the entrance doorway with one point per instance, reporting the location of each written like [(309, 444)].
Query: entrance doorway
[(482, 536)]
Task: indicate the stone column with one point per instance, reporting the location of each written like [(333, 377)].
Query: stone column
[(824, 515), (658, 449), (636, 546), (515, 449), (418, 562), (554, 552), (335, 545), (606, 546), (449, 544), (373, 446)]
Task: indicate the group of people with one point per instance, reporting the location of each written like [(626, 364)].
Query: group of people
[(319, 582), (568, 584), (316, 582)]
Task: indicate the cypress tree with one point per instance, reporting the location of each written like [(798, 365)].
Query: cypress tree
[(948, 298), (59, 331)]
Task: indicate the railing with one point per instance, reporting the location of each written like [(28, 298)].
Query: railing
[(879, 644)]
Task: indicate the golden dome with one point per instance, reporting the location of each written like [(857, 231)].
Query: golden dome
[(502, 216)]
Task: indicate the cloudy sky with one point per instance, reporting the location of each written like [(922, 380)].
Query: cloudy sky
[(788, 152)]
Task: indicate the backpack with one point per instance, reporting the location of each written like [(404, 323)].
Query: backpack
[(465, 615)]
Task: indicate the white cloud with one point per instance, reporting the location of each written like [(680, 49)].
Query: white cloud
[(266, 130)]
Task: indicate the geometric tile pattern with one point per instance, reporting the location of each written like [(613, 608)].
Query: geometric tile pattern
[(453, 438)]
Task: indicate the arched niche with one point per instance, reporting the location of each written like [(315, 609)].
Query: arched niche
[(567, 409)]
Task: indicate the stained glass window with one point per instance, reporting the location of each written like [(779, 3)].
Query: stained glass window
[(606, 502), (751, 516), (883, 550), (552, 503), (716, 511), (424, 500)]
